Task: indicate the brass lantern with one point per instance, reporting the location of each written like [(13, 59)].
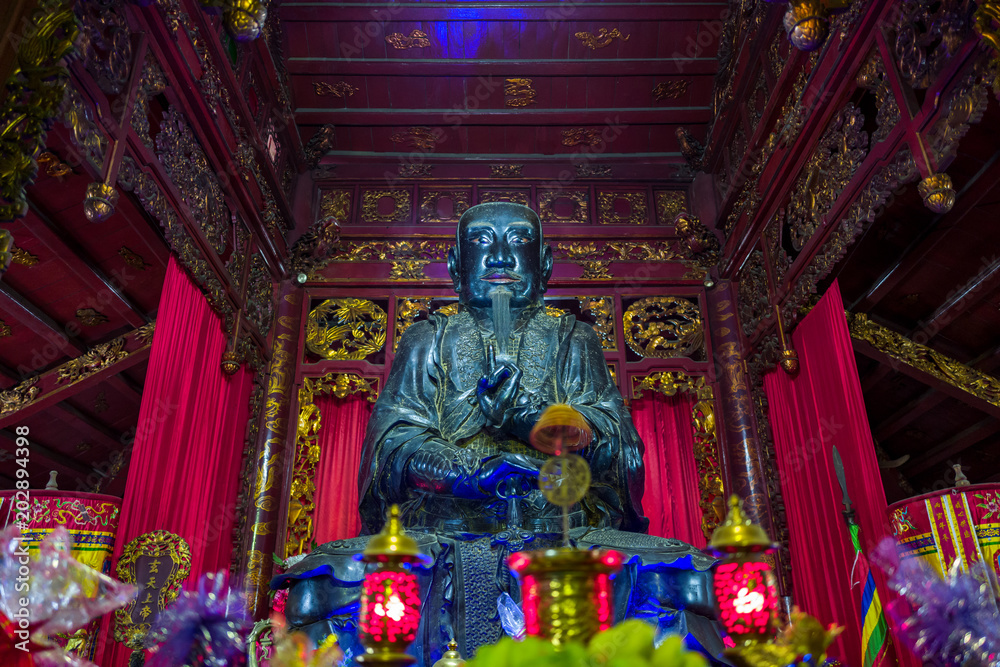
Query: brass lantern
[(743, 580), (390, 596)]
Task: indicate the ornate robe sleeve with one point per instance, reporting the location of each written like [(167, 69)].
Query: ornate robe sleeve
[(405, 418)]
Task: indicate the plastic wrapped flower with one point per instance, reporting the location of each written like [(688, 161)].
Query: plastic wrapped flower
[(48, 592)]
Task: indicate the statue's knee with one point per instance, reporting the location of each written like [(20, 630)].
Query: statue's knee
[(315, 599)]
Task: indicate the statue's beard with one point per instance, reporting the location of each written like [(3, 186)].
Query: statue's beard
[(501, 318)]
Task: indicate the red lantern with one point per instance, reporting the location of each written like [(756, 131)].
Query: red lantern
[(746, 597), (744, 581), (390, 596)]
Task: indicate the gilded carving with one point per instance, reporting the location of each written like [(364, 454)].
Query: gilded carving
[(350, 250), (153, 83), (259, 306), (144, 334), (982, 386), (587, 170), (753, 294), (92, 361), (318, 145), (506, 170), (157, 562), (670, 90), (241, 249), (301, 498), (346, 329), (400, 205), (18, 396), (602, 309), (34, 94), (340, 89), (408, 309), (408, 269), (519, 93), (23, 257), (873, 77), (966, 106), (607, 213), (697, 241), (987, 26), (595, 269), (4, 330), (580, 200), (664, 327), (668, 204), (581, 136), (133, 259), (53, 165), (90, 317), (516, 196), (336, 204), (622, 251), (417, 39), (413, 170), (603, 38), (460, 202), (189, 170), (862, 211), (833, 163), (928, 34), (423, 138)]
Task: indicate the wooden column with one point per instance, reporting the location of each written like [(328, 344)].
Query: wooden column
[(261, 539), (743, 459)]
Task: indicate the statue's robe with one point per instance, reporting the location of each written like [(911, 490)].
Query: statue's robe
[(430, 398)]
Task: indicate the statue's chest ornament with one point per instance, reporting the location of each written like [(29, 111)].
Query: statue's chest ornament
[(531, 345)]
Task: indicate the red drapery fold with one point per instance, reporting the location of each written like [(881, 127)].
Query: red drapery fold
[(671, 497), (185, 464), (820, 408), (341, 434)]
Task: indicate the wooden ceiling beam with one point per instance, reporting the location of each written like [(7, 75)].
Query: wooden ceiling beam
[(62, 244), (952, 446), (869, 381), (907, 414), (384, 14), (107, 436), (913, 256), (479, 70), (38, 322), (965, 298), (538, 118), (55, 457)]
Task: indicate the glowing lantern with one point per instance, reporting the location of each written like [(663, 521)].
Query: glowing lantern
[(744, 585), (566, 594), (390, 596)]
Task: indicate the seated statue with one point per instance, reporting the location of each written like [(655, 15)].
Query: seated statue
[(448, 442)]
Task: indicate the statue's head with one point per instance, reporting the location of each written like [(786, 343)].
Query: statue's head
[(499, 245)]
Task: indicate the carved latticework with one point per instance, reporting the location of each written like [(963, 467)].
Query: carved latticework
[(664, 327), (342, 329), (302, 492)]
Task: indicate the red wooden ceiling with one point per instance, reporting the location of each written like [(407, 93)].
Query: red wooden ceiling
[(455, 85)]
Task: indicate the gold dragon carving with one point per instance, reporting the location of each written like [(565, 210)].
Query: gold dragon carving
[(664, 327)]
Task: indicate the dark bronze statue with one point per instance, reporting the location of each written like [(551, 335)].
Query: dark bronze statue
[(447, 441)]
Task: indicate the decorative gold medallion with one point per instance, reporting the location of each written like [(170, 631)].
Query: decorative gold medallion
[(346, 329), (663, 327)]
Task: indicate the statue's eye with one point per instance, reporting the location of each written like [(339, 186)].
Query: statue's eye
[(519, 239)]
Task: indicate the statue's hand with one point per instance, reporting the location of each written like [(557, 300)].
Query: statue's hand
[(497, 390), (511, 470)]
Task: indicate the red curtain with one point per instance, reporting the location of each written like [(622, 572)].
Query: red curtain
[(341, 434), (820, 408), (184, 471), (671, 497)]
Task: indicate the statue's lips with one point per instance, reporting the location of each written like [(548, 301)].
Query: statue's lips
[(501, 279)]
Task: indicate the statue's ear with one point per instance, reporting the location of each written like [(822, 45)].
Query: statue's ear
[(546, 266), (453, 266)]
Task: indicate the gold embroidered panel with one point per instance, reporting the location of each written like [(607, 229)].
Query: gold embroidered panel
[(668, 204)]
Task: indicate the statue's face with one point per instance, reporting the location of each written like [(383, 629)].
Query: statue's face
[(500, 245)]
